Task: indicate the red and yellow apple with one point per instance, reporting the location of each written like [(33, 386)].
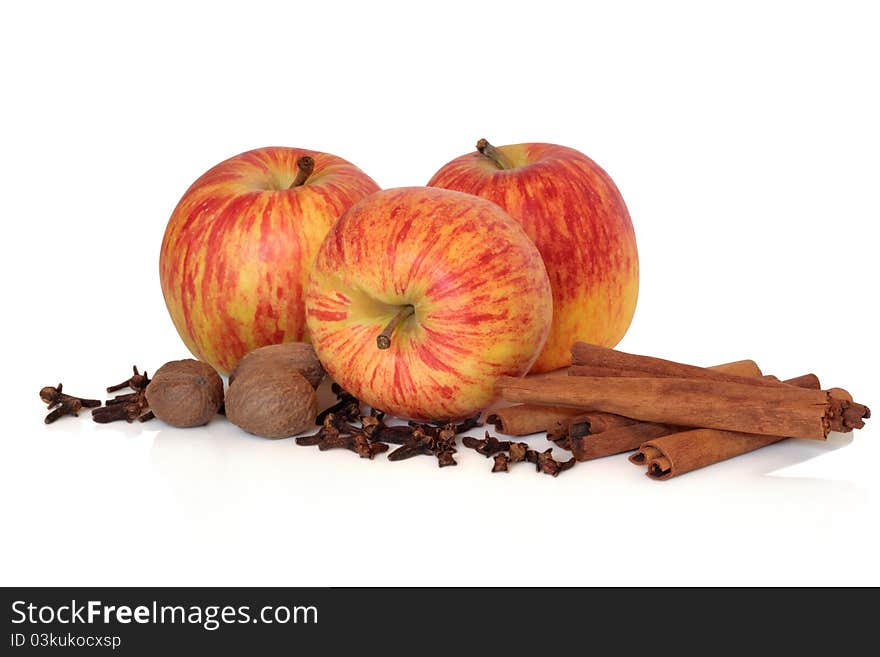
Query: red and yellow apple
[(420, 299), (237, 251), (573, 212)]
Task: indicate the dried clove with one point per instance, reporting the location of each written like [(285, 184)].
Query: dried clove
[(468, 424), (137, 382), (370, 425), (446, 457), (53, 395), (397, 434), (338, 441), (417, 444), (518, 452), (122, 399), (129, 410), (328, 430), (356, 442), (66, 404), (365, 448), (72, 407), (502, 463), (548, 465), (465, 425), (348, 407), (487, 446)]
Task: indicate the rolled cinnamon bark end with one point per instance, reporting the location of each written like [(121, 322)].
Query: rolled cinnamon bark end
[(645, 454), (525, 419), (689, 450), (678, 453), (617, 441), (660, 468)]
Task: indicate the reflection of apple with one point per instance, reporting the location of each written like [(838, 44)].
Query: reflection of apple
[(576, 217), (421, 298), (237, 250)]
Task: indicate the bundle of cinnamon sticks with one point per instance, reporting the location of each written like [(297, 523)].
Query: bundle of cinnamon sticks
[(677, 417)]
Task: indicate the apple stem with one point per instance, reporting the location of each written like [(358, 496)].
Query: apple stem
[(383, 340), (488, 150), (306, 166)]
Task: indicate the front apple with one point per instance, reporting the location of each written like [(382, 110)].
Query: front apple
[(420, 298), (237, 250), (576, 217)]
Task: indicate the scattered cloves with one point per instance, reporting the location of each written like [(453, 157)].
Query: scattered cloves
[(438, 439), (66, 404), (348, 407), (129, 410), (548, 465)]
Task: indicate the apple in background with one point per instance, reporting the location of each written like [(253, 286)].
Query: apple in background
[(421, 298), (237, 251), (573, 212)]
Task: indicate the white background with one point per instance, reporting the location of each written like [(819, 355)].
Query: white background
[(744, 139)]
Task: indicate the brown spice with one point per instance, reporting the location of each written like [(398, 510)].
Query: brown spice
[(185, 393), (486, 446), (274, 401), (611, 362), (525, 419), (502, 463), (681, 452), (132, 408), (137, 382), (298, 356), (63, 404), (777, 410), (617, 440)]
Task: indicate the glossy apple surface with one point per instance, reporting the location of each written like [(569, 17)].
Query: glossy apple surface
[(575, 215), (476, 285), (237, 250)]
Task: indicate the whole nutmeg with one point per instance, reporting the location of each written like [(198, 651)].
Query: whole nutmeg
[(185, 393), (273, 402), (299, 356)]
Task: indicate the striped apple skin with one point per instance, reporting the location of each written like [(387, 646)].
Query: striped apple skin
[(478, 285), (237, 250), (575, 215)]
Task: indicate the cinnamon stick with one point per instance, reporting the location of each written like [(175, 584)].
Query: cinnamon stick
[(678, 453), (525, 419), (586, 354), (586, 446), (773, 409), (566, 432), (585, 424), (595, 361), (618, 440)]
